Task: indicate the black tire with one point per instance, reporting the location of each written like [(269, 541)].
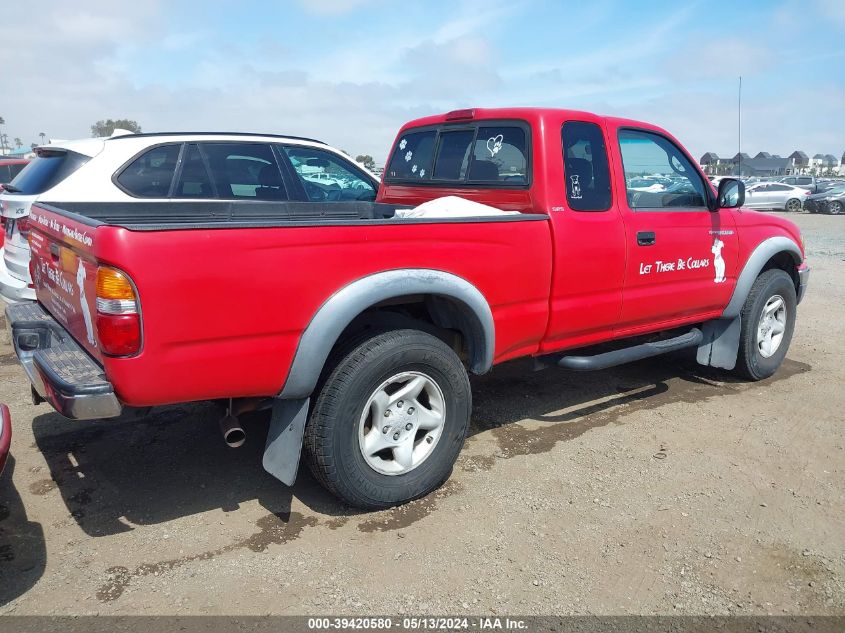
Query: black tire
[(834, 207), (331, 436), (750, 362), (793, 205)]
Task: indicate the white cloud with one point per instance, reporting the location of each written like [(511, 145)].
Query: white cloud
[(103, 59), (334, 7)]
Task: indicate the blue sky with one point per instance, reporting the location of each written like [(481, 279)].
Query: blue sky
[(351, 71)]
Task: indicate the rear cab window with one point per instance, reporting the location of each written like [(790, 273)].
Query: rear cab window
[(473, 154), (48, 169)]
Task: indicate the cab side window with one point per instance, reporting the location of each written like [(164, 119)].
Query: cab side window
[(585, 167), (658, 176)]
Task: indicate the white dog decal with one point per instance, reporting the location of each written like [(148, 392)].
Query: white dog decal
[(576, 187), (718, 262), (83, 303)]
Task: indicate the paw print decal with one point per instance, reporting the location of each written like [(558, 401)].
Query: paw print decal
[(414, 169), (408, 156), (422, 173), (403, 144)]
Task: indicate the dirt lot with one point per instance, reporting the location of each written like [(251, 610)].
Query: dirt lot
[(660, 487)]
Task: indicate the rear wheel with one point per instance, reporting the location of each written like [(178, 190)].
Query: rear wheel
[(768, 320), (834, 207), (793, 205), (390, 420)]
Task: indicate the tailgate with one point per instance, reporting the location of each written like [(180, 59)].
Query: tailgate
[(65, 273)]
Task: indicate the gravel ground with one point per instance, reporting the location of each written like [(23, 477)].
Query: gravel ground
[(659, 487)]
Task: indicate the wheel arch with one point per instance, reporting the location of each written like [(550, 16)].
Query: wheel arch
[(452, 302), (774, 252)]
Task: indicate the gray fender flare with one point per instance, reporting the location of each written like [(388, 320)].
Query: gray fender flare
[(341, 308), (765, 250), (721, 336)]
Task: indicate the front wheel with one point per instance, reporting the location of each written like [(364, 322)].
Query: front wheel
[(768, 320), (834, 207), (390, 420), (793, 205)]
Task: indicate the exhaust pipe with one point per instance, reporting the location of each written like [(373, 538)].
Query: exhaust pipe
[(233, 433)]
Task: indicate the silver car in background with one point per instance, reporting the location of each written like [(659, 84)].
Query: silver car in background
[(775, 195)]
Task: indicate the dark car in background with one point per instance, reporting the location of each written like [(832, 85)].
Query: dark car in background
[(831, 201), (11, 167)]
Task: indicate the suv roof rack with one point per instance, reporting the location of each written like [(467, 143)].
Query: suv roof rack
[(147, 134)]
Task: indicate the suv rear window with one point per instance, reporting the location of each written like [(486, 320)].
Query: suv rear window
[(493, 155), (46, 171)]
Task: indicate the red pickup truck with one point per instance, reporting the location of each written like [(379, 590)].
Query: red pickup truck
[(357, 324)]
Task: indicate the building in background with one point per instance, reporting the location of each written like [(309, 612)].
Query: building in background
[(764, 164), (800, 162)]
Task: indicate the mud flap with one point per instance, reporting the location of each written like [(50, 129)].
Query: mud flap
[(721, 343), (284, 440)]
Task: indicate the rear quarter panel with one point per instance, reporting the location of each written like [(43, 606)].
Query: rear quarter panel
[(223, 309)]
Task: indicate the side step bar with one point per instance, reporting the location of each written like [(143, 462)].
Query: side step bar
[(692, 338)]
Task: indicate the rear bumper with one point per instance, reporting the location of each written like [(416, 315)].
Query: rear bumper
[(13, 290), (5, 434), (803, 280), (61, 372)]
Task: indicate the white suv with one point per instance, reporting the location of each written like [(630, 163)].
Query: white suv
[(171, 167)]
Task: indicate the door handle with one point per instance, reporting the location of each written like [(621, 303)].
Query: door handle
[(646, 238)]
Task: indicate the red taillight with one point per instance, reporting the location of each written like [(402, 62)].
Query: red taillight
[(23, 226), (118, 318), (119, 334)]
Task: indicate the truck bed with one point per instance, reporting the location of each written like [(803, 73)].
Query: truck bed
[(170, 215), (227, 289)]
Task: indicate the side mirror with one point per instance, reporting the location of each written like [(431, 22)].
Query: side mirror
[(731, 193)]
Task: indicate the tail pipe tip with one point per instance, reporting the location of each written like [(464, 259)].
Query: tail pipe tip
[(233, 433)]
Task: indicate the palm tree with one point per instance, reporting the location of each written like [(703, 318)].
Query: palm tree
[(18, 143), (42, 135)]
